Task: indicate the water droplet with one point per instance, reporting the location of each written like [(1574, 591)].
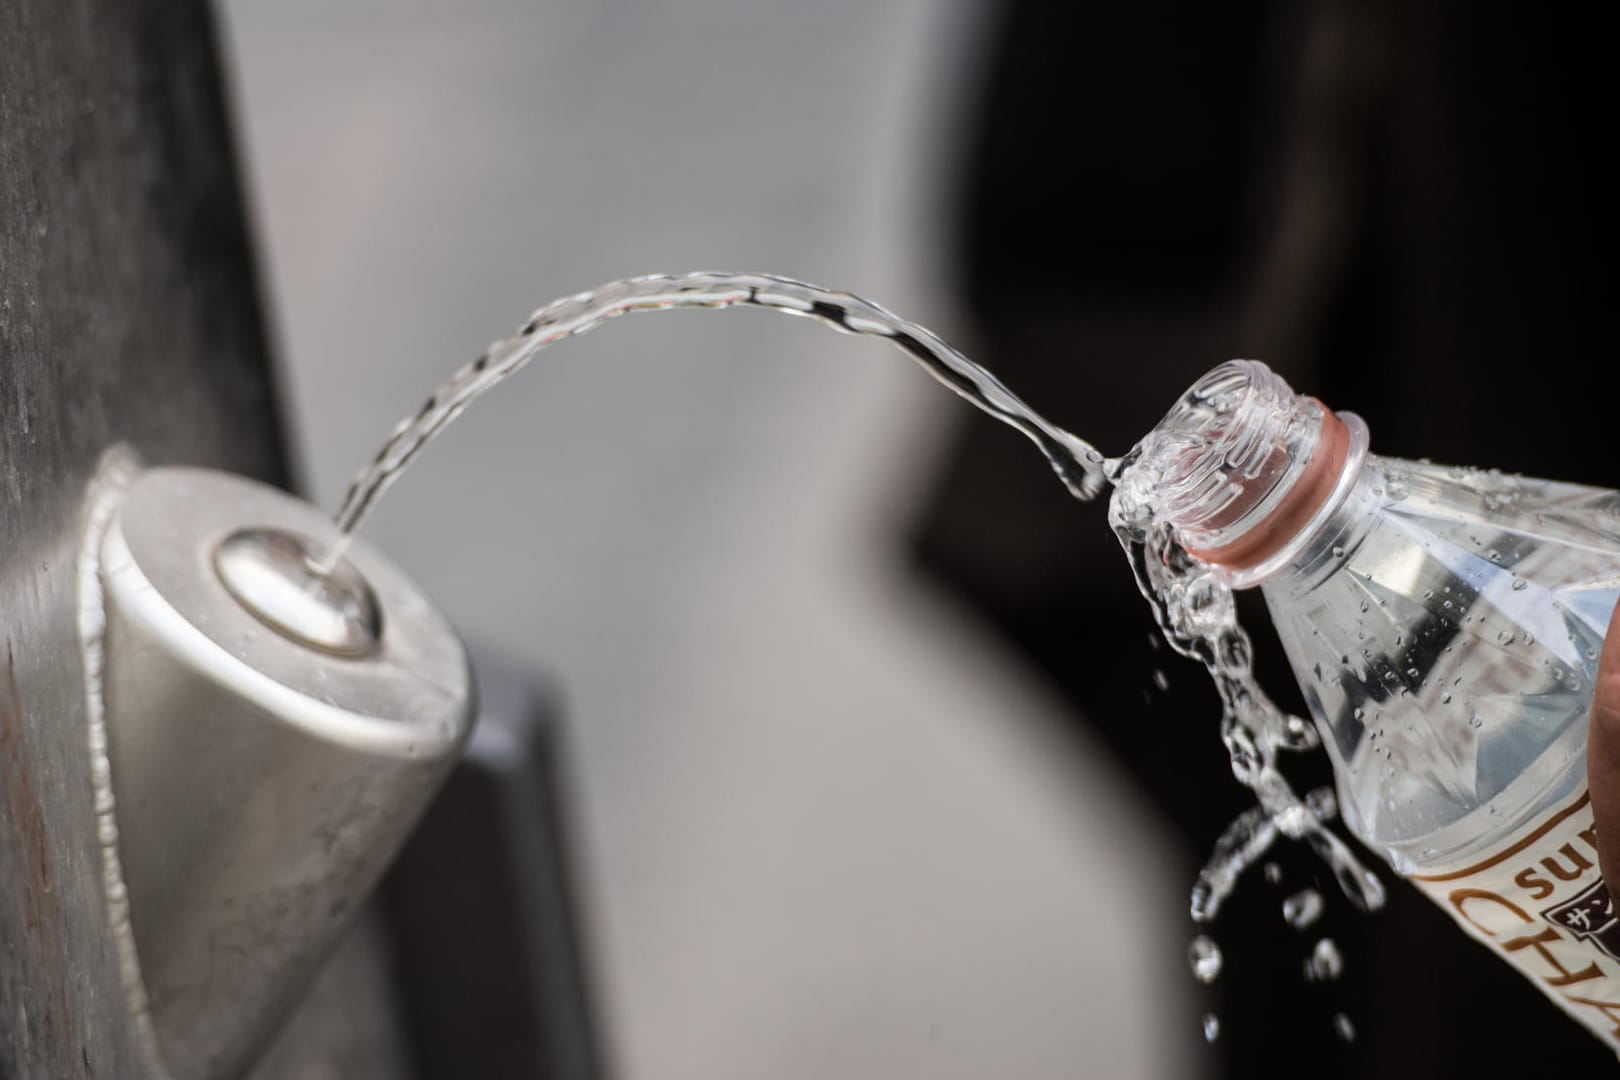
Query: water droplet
[(1445, 698), (1325, 964), (1345, 1029), (1205, 958), (1505, 637), (1303, 908), (1273, 873), (1161, 680), (1364, 605), (1212, 1027), (1338, 552), (1357, 712), (1529, 638), (1518, 584)]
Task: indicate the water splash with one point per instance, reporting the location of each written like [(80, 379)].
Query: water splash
[(1077, 463), (1196, 614)]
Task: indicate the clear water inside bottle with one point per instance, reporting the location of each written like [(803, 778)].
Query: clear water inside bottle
[(1446, 633)]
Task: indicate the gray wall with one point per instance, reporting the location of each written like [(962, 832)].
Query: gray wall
[(820, 835)]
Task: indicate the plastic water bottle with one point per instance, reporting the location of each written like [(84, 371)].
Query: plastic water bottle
[(1445, 626)]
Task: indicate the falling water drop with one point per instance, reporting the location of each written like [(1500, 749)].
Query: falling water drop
[(1204, 956), (1325, 964), (1303, 908)]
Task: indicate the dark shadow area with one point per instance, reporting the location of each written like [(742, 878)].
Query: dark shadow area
[(1398, 209)]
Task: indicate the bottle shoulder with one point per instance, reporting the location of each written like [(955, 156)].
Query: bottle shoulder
[(1446, 634), (1572, 515)]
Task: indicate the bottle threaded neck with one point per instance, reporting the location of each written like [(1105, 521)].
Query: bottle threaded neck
[(1240, 463)]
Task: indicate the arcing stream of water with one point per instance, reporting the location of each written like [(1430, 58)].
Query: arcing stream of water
[(1076, 462), (1193, 607)]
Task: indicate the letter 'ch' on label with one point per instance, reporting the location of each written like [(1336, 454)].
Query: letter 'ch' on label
[(1539, 902)]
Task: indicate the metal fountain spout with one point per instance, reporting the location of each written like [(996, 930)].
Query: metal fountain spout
[(271, 736)]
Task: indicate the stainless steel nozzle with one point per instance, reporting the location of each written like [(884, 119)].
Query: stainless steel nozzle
[(272, 736)]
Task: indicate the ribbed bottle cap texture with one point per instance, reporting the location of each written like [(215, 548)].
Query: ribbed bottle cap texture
[(1242, 462)]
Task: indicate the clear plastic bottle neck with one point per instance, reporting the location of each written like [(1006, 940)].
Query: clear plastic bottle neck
[(1247, 472)]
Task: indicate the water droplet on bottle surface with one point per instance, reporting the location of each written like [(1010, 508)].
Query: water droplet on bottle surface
[(1343, 1027), (1273, 873), (1518, 584), (1161, 680), (1325, 963), (1303, 908), (1205, 958), (1212, 1027), (1505, 637)]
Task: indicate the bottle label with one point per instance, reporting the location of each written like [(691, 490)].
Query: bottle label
[(1539, 902)]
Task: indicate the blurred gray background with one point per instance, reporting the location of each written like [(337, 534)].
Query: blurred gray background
[(820, 831)]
